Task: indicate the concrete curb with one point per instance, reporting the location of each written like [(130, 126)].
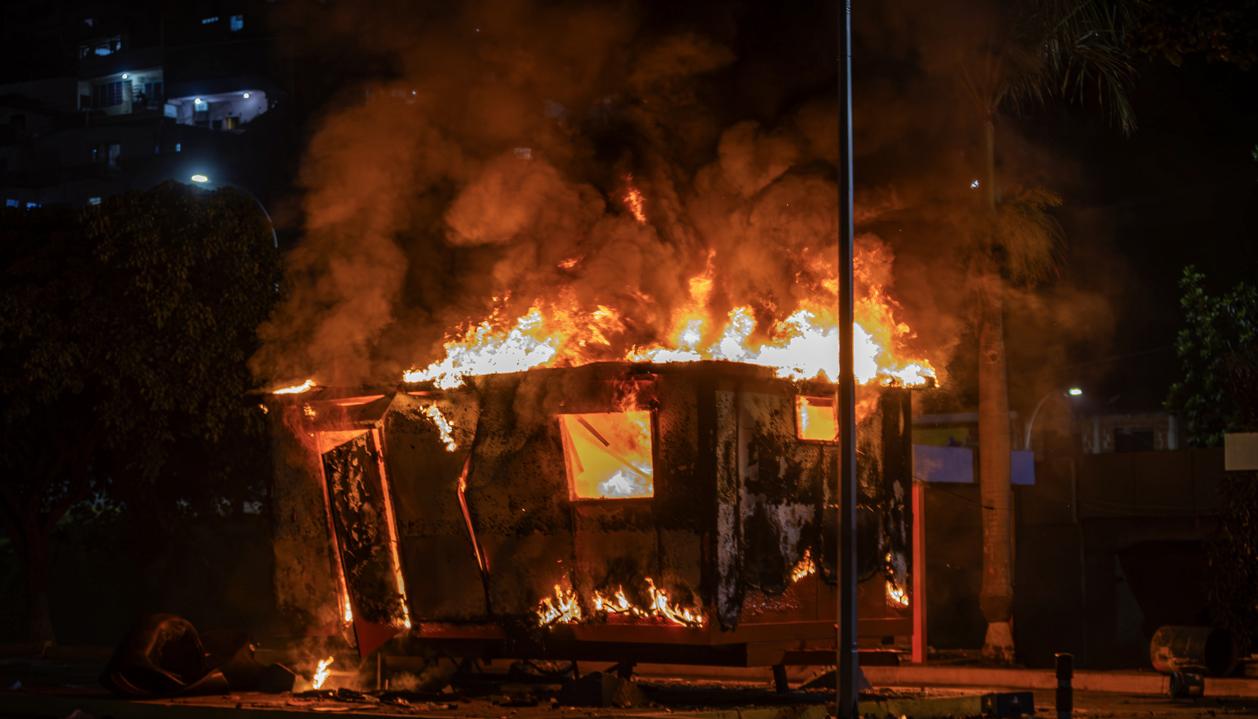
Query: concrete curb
[(1145, 683)]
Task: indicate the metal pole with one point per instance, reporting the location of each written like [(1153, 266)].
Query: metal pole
[(1026, 441), (848, 666)]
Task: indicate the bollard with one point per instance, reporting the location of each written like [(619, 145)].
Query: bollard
[(1065, 694)]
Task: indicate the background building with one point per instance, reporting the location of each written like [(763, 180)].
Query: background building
[(100, 98)]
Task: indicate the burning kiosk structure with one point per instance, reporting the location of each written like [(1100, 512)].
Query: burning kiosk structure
[(677, 512)]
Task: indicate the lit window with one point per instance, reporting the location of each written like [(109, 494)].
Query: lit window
[(200, 105), (32, 205), (11, 202), (93, 200), (237, 23), (209, 20), (178, 147), (608, 455), (815, 418)]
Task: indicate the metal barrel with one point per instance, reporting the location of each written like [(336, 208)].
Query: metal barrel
[(1204, 650)]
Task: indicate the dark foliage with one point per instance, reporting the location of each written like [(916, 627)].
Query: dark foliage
[(124, 331), (1217, 391), (1218, 30), (1233, 558)]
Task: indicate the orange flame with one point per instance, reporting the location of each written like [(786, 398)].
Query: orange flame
[(562, 609), (798, 343), (897, 597), (805, 568), (634, 201), (321, 672), (306, 386)]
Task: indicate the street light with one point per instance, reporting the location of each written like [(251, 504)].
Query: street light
[(1070, 392), (203, 179)]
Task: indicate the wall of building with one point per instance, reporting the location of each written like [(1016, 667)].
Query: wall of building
[(1102, 541)]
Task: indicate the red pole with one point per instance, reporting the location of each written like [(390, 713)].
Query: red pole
[(918, 594)]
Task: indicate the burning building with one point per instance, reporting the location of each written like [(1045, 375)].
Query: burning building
[(624, 443), (654, 511)]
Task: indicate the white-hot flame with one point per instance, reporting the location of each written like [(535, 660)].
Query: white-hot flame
[(321, 673), (483, 350), (433, 413), (306, 386), (563, 608)]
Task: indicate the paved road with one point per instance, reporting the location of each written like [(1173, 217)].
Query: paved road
[(56, 689)]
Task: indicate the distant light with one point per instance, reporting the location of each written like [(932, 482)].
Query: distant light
[(199, 178), (93, 200), (126, 76), (974, 184), (209, 20), (198, 101), (1075, 392), (245, 95)]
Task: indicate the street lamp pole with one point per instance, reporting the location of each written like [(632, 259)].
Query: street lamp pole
[(1072, 392), (845, 561), (202, 180)]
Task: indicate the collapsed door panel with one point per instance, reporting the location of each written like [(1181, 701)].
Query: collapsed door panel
[(361, 518)]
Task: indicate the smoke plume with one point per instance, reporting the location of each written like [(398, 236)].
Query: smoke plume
[(493, 163)]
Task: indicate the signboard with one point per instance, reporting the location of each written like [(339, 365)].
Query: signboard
[(1240, 451)]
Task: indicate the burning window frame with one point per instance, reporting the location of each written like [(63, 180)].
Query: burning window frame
[(803, 399), (570, 453)]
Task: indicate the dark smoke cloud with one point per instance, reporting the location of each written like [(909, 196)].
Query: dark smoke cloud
[(485, 166)]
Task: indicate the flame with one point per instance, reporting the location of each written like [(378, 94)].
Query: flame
[(433, 413), (483, 350), (661, 607), (608, 454), (805, 568), (798, 343), (563, 609), (321, 672), (348, 615), (634, 201), (617, 603), (897, 596), (306, 386)]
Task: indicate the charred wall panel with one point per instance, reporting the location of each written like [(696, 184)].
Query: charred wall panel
[(356, 486), (434, 545), (517, 489), (305, 581), (684, 506), (781, 490)]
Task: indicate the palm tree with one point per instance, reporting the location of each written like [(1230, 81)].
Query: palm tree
[(1044, 49)]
